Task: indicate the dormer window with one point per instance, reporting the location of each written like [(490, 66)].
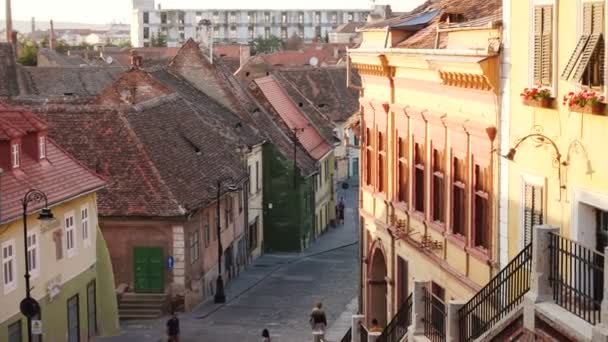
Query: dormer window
[(16, 158), (42, 147)]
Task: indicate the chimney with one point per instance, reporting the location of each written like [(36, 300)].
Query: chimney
[(15, 42), (136, 60), (9, 22), (52, 37), (33, 30), (245, 53)]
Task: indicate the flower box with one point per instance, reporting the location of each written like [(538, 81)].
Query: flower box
[(596, 108), (543, 102)]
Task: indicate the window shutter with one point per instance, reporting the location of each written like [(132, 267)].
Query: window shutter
[(580, 47), (528, 200), (587, 18), (547, 40), (586, 55), (598, 17), (538, 43)]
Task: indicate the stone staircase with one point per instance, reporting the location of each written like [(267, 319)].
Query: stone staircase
[(134, 306)]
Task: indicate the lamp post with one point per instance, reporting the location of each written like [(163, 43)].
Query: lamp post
[(220, 297), (29, 306)]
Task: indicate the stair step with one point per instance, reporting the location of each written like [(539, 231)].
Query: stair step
[(144, 295), (128, 316), (139, 311), (139, 305)]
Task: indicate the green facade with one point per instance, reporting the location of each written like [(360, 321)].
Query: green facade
[(288, 226), (54, 314)]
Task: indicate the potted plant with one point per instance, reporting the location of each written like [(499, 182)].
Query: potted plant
[(537, 97), (585, 101)]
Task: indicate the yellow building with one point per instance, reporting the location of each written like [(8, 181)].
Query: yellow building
[(429, 177), (564, 184)]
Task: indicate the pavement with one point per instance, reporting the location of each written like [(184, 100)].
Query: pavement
[(277, 292)]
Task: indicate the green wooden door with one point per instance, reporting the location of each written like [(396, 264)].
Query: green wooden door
[(148, 263)]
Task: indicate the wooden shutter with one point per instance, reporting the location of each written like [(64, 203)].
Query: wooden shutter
[(597, 17), (547, 51), (592, 44), (587, 18), (572, 62), (533, 210), (538, 43)]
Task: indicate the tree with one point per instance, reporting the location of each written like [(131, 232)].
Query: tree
[(326, 37), (28, 53), (267, 45), (158, 40), (125, 44)]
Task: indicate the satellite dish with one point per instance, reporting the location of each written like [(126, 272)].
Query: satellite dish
[(109, 60), (313, 61)]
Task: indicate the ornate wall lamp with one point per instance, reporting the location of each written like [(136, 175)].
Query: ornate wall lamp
[(542, 139)]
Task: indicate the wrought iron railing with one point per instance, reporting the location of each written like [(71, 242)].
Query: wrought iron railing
[(498, 298), (577, 277), (434, 317), (362, 333), (348, 336), (397, 328)]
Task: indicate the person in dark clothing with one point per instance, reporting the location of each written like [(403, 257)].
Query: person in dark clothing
[(173, 328), (341, 207), (318, 321), (265, 335)]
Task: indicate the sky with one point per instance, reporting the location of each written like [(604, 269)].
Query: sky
[(106, 11)]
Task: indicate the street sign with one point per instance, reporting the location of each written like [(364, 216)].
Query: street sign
[(29, 307), (170, 262), (36, 327)]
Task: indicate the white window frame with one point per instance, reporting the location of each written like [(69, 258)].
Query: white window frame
[(70, 230), (12, 285), (42, 147), (34, 271), (15, 155), (580, 231), (579, 32), (554, 43), (535, 180), (194, 245), (85, 225)]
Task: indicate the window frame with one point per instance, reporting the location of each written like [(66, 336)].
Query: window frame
[(555, 74), (485, 194), (206, 226), (35, 248), (194, 245), (462, 185), (382, 162), (85, 223), (402, 154), (42, 147), (9, 287), (419, 167), (15, 155), (19, 326), (369, 156), (92, 285), (71, 230), (438, 173)]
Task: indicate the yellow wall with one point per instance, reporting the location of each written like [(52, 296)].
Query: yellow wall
[(378, 211), (566, 128), (325, 209), (51, 269)]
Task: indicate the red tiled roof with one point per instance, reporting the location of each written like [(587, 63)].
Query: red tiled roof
[(59, 176), (229, 51), (310, 138)]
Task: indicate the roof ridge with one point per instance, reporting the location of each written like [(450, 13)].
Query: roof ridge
[(155, 102)]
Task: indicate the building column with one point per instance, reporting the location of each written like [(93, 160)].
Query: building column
[(452, 321), (540, 286), (373, 336), (600, 331), (357, 320), (417, 327), (179, 266)]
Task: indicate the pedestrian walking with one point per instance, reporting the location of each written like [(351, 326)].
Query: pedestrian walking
[(341, 207), (173, 328), (375, 326), (265, 335), (318, 322)]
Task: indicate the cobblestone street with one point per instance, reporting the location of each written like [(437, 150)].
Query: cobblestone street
[(277, 292)]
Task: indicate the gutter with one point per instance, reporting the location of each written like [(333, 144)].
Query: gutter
[(437, 52)]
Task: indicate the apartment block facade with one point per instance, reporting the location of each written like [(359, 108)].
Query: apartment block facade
[(234, 26)]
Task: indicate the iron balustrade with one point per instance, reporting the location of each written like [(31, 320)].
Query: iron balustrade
[(434, 317), (362, 333), (348, 336), (498, 298), (397, 328), (577, 277)]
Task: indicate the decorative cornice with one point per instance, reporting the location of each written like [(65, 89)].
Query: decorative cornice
[(383, 70), (466, 80)]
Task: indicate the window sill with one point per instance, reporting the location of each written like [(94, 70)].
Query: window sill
[(437, 226), (458, 240), (10, 288), (481, 254), (401, 206)]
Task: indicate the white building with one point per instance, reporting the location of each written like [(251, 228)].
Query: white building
[(234, 26)]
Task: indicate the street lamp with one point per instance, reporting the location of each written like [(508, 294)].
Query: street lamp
[(29, 306), (220, 297)]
